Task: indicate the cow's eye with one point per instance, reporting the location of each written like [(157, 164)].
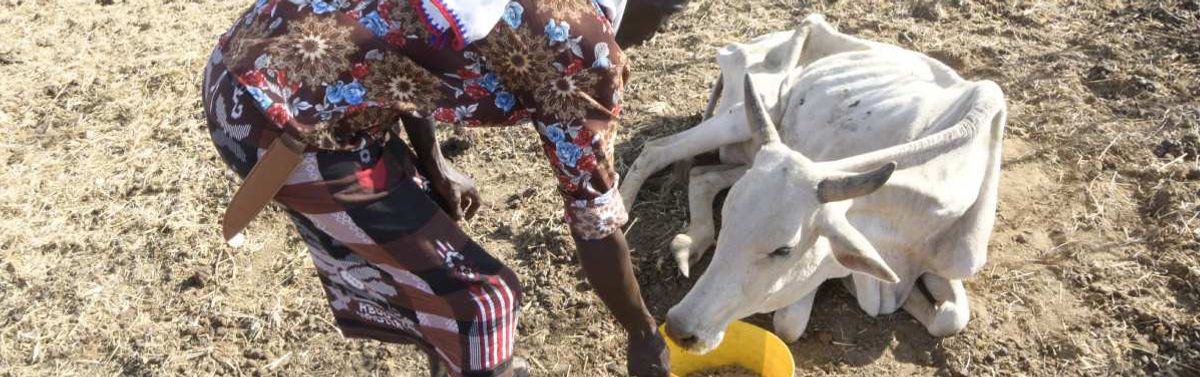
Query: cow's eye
[(782, 252)]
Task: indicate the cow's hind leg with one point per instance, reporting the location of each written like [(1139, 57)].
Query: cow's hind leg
[(947, 314), (723, 129), (705, 183), (791, 321)]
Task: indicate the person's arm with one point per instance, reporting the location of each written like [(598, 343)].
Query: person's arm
[(608, 268), (595, 213), (643, 18), (456, 191)]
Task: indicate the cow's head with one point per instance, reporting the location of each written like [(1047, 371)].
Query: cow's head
[(784, 232)]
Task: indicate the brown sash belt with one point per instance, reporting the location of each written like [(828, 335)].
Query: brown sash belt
[(261, 185)]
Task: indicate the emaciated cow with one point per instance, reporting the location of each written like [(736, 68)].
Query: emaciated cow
[(883, 171)]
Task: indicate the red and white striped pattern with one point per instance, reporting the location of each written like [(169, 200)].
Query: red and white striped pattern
[(494, 331)]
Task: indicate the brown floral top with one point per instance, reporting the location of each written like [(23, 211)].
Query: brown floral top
[(338, 74)]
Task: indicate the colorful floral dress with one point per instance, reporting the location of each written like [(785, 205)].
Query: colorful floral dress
[(338, 75)]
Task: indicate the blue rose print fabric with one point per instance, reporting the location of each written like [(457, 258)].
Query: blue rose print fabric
[(339, 73)]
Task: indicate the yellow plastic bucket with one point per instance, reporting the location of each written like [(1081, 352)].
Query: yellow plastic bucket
[(744, 345)]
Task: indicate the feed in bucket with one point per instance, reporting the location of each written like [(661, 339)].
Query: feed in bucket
[(725, 371), (753, 349)]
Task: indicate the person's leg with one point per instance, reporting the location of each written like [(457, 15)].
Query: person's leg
[(327, 254), (396, 266)]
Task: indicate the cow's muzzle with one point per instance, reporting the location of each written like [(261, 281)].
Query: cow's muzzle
[(689, 336), (681, 337)]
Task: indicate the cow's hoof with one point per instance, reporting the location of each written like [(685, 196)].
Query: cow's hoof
[(948, 319)]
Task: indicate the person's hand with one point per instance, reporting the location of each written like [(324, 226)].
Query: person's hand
[(648, 356), (457, 193), (643, 18)]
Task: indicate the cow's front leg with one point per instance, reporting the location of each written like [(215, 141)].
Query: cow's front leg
[(791, 321), (947, 313), (704, 184), (723, 129), (951, 311), (867, 291)]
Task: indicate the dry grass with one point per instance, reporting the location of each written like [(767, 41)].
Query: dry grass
[(110, 261)]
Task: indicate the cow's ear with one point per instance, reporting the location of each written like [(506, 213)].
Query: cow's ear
[(851, 249), (757, 118)]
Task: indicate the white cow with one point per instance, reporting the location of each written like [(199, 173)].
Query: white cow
[(884, 168)]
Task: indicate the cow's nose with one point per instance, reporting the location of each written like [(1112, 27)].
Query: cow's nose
[(684, 338)]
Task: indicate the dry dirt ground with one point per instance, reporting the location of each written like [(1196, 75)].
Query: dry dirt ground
[(111, 263)]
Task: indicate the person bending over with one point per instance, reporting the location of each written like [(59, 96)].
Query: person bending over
[(304, 99)]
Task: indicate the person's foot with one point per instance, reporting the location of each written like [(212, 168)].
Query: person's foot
[(520, 368), (436, 367)]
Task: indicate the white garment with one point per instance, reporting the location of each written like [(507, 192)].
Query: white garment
[(471, 20), (615, 9)]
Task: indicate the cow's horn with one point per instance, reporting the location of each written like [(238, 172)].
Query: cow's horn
[(850, 186), (757, 117)]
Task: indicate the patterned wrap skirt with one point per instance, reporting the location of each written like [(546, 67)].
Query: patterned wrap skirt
[(394, 266)]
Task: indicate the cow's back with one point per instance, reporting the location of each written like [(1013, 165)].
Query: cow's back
[(863, 101)]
